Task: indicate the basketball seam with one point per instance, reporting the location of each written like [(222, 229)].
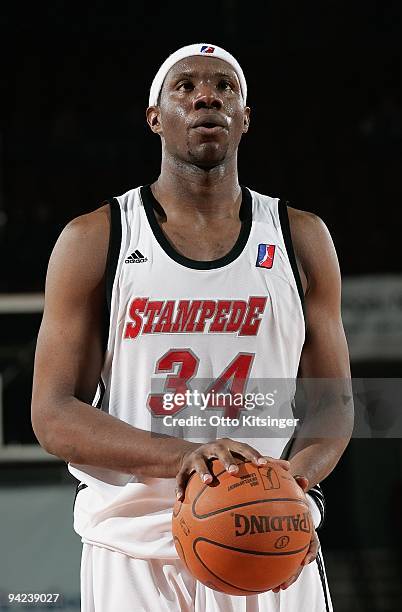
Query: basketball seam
[(221, 579), (176, 539), (241, 589), (248, 551), (248, 503)]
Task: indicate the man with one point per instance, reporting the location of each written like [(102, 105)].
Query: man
[(203, 278)]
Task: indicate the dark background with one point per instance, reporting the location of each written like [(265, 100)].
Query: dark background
[(325, 89)]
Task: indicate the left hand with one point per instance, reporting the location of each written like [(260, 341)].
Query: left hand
[(313, 548)]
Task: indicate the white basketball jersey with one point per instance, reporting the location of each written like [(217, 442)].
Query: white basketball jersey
[(177, 324)]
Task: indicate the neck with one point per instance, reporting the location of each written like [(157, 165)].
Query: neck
[(188, 189)]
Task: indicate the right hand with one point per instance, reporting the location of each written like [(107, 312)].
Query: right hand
[(223, 449)]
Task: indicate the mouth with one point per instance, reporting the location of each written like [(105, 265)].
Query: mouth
[(209, 128), (209, 125)]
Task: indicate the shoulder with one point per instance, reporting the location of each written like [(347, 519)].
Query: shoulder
[(94, 225), (313, 245), (307, 224), (80, 252)]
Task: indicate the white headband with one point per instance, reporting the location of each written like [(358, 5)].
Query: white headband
[(188, 51)]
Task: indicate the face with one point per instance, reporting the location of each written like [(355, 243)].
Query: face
[(201, 115)]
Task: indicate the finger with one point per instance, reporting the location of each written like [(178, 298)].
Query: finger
[(247, 452), (291, 580), (226, 458), (253, 455), (313, 550), (302, 481), (283, 463), (181, 480), (288, 582), (199, 466), (203, 471)]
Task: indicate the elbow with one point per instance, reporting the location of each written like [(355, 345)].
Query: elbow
[(41, 425), (45, 426), (52, 425)]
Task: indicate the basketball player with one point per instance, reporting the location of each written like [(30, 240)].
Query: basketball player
[(193, 275)]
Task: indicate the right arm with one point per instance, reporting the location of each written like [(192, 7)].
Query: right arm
[(68, 363), (69, 358)]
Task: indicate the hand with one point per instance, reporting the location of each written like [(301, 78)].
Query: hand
[(311, 554), (223, 449)]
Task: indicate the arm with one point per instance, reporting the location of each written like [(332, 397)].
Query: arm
[(325, 358), (69, 360), (316, 450)]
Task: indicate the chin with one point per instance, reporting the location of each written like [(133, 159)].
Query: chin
[(208, 155)]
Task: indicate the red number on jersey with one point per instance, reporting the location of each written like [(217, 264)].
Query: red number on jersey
[(175, 382), (231, 381)]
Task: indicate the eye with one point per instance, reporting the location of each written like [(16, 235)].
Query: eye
[(185, 85), (225, 84)]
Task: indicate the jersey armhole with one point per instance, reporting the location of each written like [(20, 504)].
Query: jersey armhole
[(287, 236), (111, 263)]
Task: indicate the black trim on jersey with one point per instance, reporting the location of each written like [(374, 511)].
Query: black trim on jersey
[(323, 582), (114, 248), (98, 404), (318, 496), (102, 389), (105, 326), (79, 487), (111, 265), (284, 220), (245, 214)]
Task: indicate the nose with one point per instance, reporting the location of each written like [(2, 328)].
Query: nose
[(207, 97)]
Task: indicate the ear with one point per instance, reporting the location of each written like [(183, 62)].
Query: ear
[(246, 121), (153, 119)]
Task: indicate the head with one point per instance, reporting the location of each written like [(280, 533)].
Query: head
[(197, 106)]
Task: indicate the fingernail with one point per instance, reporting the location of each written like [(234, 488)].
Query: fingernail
[(262, 461), (206, 477), (233, 468)]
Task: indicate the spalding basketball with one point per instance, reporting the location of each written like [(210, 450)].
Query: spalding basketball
[(244, 533)]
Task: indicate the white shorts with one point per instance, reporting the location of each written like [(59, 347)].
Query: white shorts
[(113, 582)]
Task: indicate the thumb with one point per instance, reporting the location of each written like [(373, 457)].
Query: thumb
[(302, 481)]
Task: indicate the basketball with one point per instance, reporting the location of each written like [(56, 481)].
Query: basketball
[(243, 533)]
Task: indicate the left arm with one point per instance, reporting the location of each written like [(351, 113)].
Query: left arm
[(324, 364), (328, 422)]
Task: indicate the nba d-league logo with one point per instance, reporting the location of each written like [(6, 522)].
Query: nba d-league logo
[(207, 49), (265, 256)]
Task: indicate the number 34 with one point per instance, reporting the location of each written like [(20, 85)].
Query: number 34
[(181, 366)]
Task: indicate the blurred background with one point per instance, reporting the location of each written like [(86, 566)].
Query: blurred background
[(325, 88)]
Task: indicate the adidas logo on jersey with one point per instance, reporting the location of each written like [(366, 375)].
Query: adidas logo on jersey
[(136, 257)]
